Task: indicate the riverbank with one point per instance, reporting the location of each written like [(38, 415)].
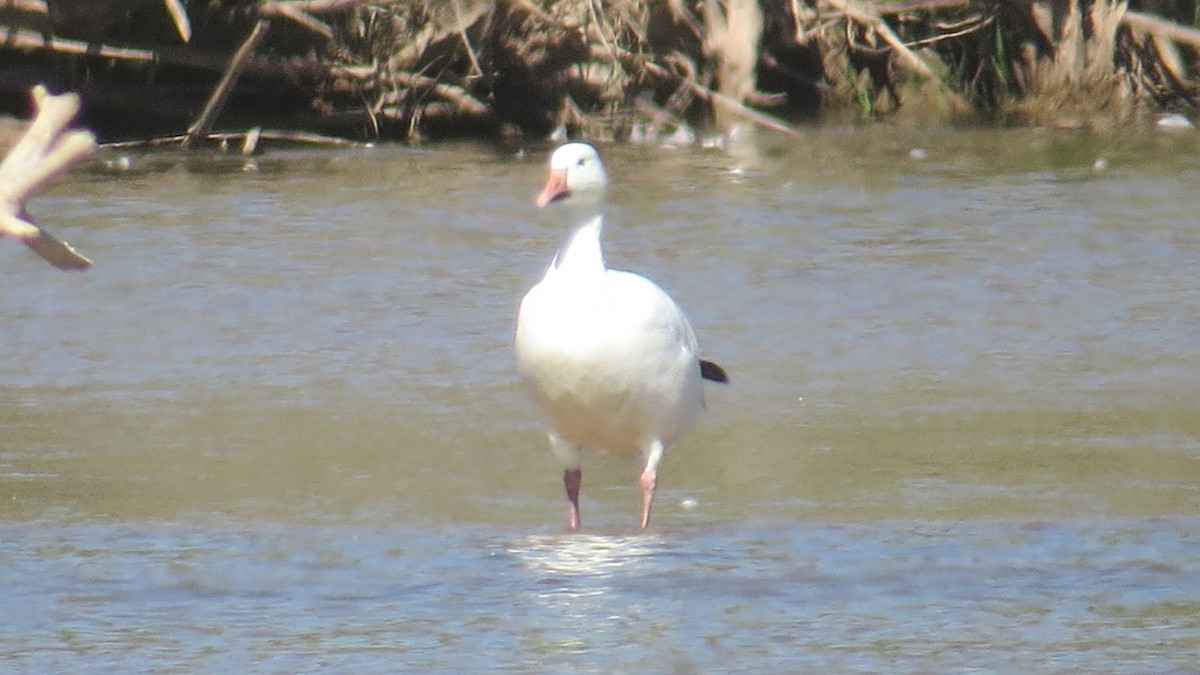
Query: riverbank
[(415, 69)]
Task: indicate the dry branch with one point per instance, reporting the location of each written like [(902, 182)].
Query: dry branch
[(456, 95), (1150, 24), (225, 137), (292, 12), (25, 39), (318, 6), (730, 105), (919, 6), (179, 17), (733, 37), (221, 94), (906, 55)]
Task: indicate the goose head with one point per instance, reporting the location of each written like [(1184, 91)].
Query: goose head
[(577, 176)]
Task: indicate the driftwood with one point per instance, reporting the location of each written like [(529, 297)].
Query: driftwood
[(249, 138), (220, 95), (44, 152)]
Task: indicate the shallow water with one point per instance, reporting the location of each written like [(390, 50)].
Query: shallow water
[(277, 427)]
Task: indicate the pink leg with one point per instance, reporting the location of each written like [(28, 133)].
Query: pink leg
[(649, 481), (571, 480)]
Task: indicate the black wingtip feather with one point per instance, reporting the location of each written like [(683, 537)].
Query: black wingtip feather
[(712, 372)]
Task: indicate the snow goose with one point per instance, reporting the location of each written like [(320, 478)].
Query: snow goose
[(607, 357)]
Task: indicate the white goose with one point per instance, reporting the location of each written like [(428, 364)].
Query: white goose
[(607, 357)]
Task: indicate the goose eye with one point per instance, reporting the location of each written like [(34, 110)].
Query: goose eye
[(581, 162)]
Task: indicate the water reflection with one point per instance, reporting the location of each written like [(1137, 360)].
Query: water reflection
[(590, 556)]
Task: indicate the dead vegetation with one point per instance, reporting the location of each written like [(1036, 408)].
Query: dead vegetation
[(412, 69), (1080, 81)]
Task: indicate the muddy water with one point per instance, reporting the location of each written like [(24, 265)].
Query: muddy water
[(277, 428)]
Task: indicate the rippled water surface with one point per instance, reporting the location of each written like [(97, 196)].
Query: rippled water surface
[(277, 427)]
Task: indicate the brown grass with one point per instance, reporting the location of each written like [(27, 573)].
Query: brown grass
[(1079, 84)]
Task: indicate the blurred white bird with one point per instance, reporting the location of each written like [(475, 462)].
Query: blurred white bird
[(607, 357), (45, 151)]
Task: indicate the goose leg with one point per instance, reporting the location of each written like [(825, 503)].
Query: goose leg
[(571, 480), (649, 480)]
